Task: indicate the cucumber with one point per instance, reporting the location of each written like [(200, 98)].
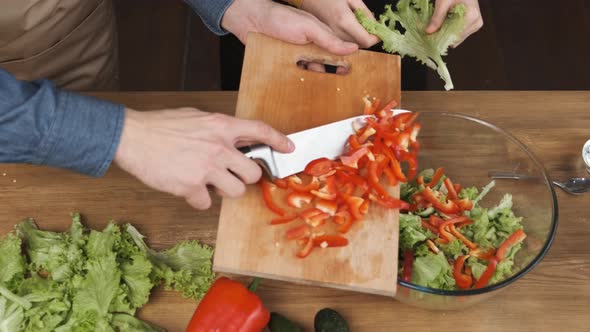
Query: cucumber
[(426, 212), (329, 320), (280, 323)]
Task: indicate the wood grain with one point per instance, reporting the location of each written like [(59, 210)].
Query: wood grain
[(275, 90), (555, 296)]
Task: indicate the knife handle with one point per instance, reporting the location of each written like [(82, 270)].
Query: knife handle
[(262, 155)]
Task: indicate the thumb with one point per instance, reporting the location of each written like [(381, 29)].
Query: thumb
[(441, 8), (326, 39)]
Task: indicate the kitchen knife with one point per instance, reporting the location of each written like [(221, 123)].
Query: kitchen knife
[(327, 141)]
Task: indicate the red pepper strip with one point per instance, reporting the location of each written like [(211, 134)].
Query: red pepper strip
[(464, 204), (397, 170), (347, 188), (267, 189), (462, 280), (462, 237), (306, 250), (432, 246), (318, 167), (353, 159), (281, 183), (318, 219), (329, 207), (374, 179), (353, 142), (367, 134), (400, 120), (355, 179), (410, 158), (302, 240), (229, 306), (446, 236), (298, 199), (344, 168), (478, 253), (414, 132), (314, 184), (386, 112), (430, 227), (328, 191), (487, 274), (310, 213), (391, 179), (370, 107), (283, 220), (364, 208), (327, 175), (436, 177), (408, 264), (457, 187), (346, 223), (515, 238), (330, 240), (435, 220), (297, 232), (389, 202), (463, 224), (420, 179), (448, 208), (452, 194), (354, 204)]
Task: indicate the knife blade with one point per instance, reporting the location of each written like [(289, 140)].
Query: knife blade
[(327, 141)]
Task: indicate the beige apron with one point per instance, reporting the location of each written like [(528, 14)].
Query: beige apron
[(71, 42)]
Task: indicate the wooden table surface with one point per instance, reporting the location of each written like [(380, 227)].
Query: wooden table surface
[(554, 296)]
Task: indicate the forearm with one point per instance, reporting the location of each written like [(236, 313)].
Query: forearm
[(211, 13), (41, 124)]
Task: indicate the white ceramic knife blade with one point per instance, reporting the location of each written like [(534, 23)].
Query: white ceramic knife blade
[(327, 141)]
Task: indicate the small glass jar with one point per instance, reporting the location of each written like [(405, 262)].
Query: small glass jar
[(586, 155)]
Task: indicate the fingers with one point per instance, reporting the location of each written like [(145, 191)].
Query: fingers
[(441, 8), (355, 29), (243, 167), (227, 184), (258, 131), (317, 67), (327, 40), (199, 199)]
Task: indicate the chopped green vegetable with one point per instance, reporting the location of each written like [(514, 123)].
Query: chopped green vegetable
[(411, 231), (454, 249), (84, 280), (433, 270), (484, 191), (414, 16), (470, 193)]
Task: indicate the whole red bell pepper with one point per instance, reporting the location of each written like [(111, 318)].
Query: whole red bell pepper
[(228, 306)]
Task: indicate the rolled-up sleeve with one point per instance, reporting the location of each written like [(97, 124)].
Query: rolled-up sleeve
[(211, 13), (43, 125)]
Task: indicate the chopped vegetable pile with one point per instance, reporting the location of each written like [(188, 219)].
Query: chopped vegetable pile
[(84, 280), (340, 193), (414, 16), (448, 241)]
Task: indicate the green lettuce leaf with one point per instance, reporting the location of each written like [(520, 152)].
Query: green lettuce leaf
[(477, 267), (433, 270), (11, 315), (470, 193), (411, 231), (127, 323), (186, 267), (414, 16), (454, 249), (12, 264)]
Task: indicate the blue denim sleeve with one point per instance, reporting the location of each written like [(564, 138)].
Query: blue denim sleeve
[(211, 13), (43, 125)]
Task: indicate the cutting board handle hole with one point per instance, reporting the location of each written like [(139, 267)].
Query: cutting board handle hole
[(324, 66)]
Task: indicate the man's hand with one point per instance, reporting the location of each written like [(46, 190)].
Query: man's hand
[(339, 15), (473, 19), (284, 23), (182, 151)]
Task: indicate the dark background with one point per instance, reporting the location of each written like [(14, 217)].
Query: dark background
[(524, 45)]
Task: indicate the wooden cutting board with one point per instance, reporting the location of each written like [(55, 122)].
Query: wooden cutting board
[(291, 99)]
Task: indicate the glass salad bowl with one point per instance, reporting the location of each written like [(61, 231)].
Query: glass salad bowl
[(470, 150)]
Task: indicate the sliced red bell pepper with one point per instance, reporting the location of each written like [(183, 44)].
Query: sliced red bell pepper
[(410, 158), (462, 280), (229, 306), (330, 241), (298, 199), (408, 264), (452, 194), (297, 232), (281, 183), (480, 254), (353, 159), (328, 191), (487, 274), (353, 142), (436, 177), (347, 188), (391, 179), (389, 202), (464, 204), (284, 219), (354, 204), (345, 223), (318, 167), (442, 229), (420, 179), (457, 187), (435, 220), (396, 167), (296, 184), (462, 237), (430, 227), (364, 208), (414, 132), (308, 213), (385, 111), (515, 238), (267, 196), (318, 219), (432, 197), (374, 180), (306, 250), (329, 207), (367, 133)]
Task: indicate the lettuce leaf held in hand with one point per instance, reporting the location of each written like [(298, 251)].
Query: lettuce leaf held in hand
[(414, 16)]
